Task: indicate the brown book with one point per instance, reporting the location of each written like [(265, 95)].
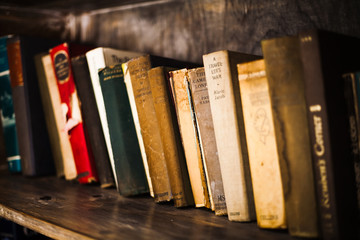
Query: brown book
[(190, 140), (261, 142), (170, 138), (200, 100)]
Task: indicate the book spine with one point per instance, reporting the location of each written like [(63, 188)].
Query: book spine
[(150, 131), (8, 118), (92, 120), (226, 111), (72, 114), (128, 163), (200, 97), (189, 139), (259, 127), (175, 159), (286, 87)]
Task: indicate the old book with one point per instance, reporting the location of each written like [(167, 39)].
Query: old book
[(225, 104), (326, 57), (286, 87), (189, 137), (200, 98), (99, 58), (92, 120), (170, 137), (34, 144), (59, 139), (7, 111), (261, 142), (71, 113), (129, 166)]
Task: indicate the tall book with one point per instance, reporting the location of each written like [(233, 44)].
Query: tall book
[(34, 144), (326, 57), (92, 120), (59, 139), (189, 136), (129, 166), (225, 104), (100, 58), (286, 88), (200, 98), (170, 137), (7, 111), (70, 106), (261, 142)]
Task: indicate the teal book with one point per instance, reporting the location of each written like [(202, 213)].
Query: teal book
[(7, 111), (129, 167)]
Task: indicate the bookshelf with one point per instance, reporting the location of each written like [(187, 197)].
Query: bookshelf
[(181, 29)]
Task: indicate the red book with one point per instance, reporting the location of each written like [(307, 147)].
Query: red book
[(60, 56)]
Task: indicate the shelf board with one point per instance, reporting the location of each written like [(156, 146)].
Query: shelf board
[(67, 210)]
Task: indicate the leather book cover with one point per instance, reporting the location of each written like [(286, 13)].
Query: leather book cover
[(127, 157), (170, 138), (70, 106), (34, 144), (92, 120), (261, 142), (200, 98), (326, 57)]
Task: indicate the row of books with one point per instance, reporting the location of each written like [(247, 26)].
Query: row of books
[(273, 138)]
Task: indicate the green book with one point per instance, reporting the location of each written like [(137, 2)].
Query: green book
[(129, 168)]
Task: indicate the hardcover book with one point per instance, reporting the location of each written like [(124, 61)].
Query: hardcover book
[(225, 104), (200, 99), (34, 144), (261, 142), (170, 137), (92, 120), (129, 166), (7, 111), (189, 137), (326, 57), (72, 117)]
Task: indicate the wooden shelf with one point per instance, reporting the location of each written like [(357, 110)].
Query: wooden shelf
[(68, 210)]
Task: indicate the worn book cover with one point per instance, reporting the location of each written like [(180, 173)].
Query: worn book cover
[(34, 144), (129, 166), (72, 116), (261, 142), (92, 120), (326, 57), (7, 111), (200, 99), (170, 137), (225, 104)]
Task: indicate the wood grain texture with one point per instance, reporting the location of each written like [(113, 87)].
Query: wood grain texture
[(67, 210)]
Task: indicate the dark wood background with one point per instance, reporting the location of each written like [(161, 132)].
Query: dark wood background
[(184, 29)]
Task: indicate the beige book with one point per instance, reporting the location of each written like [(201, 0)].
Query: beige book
[(130, 92), (170, 137), (200, 98), (50, 96), (261, 142), (189, 138), (138, 69), (225, 104)]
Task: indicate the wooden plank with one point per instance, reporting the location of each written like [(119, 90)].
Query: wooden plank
[(67, 210)]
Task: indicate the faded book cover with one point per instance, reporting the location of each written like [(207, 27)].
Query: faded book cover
[(189, 137), (261, 142), (72, 116), (286, 88), (92, 120), (127, 157), (200, 98), (170, 137), (225, 104)]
